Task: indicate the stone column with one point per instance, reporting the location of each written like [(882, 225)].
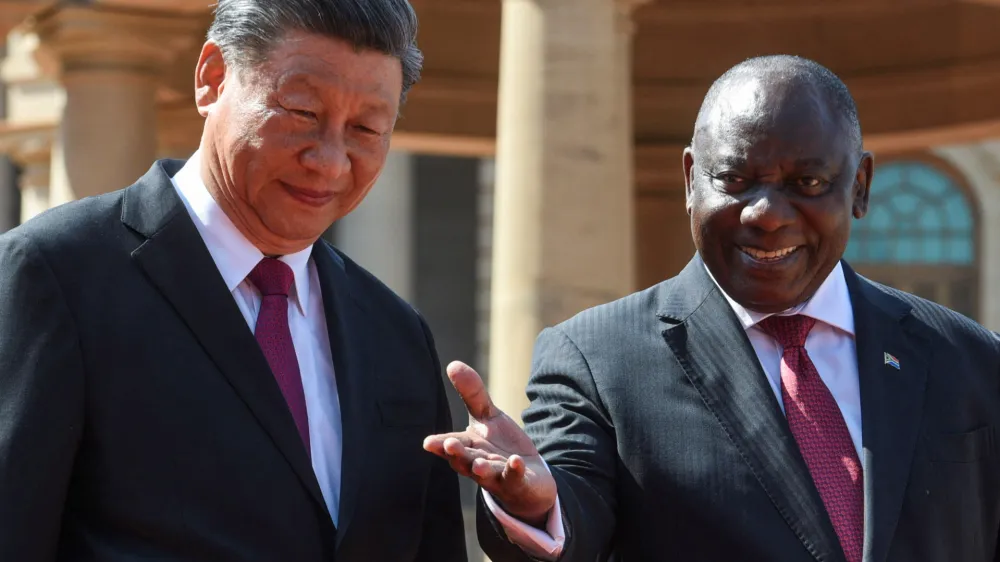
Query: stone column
[(30, 150), (564, 218), (34, 184), (379, 234), (33, 103), (108, 61), (9, 201)]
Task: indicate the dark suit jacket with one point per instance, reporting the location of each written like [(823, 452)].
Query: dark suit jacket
[(667, 443), (140, 420)]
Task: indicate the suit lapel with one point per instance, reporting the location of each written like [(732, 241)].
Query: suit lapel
[(350, 341), (175, 259), (891, 404), (717, 357)]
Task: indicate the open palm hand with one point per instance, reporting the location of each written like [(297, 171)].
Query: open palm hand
[(495, 452)]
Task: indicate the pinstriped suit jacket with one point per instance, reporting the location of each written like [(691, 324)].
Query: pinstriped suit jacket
[(668, 444)]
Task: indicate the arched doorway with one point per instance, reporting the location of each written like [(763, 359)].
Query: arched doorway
[(920, 234)]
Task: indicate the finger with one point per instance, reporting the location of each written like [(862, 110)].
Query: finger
[(435, 443), (503, 478), (489, 474), (470, 387), (464, 459), (470, 454), (459, 445), (458, 450), (513, 471), (453, 447), (459, 457)]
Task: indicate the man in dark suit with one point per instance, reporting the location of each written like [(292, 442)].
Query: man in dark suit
[(768, 403), (187, 372)]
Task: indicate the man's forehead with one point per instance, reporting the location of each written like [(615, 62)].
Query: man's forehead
[(323, 63), (743, 98), (768, 101), (769, 121)]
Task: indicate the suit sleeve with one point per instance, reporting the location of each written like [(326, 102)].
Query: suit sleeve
[(444, 526), (542, 543), (570, 426), (41, 402)]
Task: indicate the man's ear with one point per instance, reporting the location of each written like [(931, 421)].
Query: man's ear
[(687, 161), (863, 184), (209, 77)]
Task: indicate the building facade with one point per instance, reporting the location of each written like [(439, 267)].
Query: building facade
[(536, 168)]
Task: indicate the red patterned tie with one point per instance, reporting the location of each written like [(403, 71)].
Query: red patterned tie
[(820, 431), (273, 279)]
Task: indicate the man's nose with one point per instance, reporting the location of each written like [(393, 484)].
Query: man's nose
[(769, 210), (328, 157)]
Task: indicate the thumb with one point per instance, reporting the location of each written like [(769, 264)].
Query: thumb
[(470, 387)]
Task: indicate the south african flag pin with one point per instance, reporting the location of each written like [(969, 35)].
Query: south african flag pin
[(891, 360)]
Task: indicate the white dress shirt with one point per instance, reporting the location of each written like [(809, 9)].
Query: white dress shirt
[(830, 345), (235, 256)]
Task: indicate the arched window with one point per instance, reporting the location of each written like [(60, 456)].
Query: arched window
[(919, 235)]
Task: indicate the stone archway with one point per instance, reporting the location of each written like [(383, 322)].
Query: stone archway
[(921, 234)]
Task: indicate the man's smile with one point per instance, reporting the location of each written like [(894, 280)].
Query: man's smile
[(763, 256)]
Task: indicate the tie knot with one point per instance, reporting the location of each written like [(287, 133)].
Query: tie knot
[(272, 277), (789, 331)]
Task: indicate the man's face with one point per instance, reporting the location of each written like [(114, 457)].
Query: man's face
[(294, 144), (773, 180)]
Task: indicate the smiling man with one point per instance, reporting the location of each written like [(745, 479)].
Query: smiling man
[(187, 372), (767, 404)]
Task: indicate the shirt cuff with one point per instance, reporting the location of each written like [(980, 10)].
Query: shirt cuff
[(543, 545)]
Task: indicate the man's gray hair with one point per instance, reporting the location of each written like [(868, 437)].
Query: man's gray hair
[(247, 30)]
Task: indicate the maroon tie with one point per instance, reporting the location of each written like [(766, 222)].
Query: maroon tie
[(820, 431), (273, 278)]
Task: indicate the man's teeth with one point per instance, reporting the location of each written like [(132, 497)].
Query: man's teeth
[(765, 255)]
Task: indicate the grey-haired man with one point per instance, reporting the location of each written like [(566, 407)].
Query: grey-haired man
[(187, 372)]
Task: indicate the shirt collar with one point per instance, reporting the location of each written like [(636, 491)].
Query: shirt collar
[(831, 304), (234, 255)]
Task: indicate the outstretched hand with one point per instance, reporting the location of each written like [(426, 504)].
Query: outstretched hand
[(495, 452)]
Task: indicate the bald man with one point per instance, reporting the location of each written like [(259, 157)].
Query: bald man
[(767, 404)]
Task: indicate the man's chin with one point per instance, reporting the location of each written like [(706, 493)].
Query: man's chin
[(766, 298), (292, 238)]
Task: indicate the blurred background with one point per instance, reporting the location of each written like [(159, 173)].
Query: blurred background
[(536, 168)]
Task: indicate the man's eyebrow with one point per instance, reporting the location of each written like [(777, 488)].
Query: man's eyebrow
[(727, 161), (377, 104), (811, 162), (297, 81)]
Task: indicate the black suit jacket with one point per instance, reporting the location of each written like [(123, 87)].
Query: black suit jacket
[(140, 420), (667, 442)]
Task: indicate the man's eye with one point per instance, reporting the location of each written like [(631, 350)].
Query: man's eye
[(809, 185), (730, 181), (366, 130), (304, 113)]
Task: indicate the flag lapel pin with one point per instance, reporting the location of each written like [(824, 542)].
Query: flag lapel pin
[(891, 360)]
